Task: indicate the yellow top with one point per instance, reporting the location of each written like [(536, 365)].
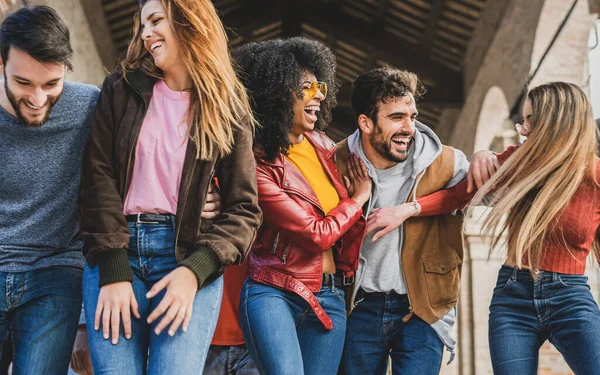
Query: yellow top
[(304, 157)]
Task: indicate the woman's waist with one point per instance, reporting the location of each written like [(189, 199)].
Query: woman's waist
[(281, 279), (554, 259)]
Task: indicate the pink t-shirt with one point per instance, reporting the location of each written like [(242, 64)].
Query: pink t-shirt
[(160, 153)]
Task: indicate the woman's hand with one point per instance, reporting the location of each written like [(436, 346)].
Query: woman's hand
[(178, 301), (357, 182), (390, 218), (115, 301), (212, 207)]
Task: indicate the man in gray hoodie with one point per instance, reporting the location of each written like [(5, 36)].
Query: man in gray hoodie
[(404, 298)]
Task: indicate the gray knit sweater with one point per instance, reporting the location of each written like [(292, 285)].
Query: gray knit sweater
[(40, 172)]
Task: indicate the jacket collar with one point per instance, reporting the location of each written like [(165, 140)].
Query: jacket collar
[(142, 83), (320, 142)]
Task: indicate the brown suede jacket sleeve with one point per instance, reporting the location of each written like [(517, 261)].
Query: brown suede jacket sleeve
[(233, 231), (103, 225)]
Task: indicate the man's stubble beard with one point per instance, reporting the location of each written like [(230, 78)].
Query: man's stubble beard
[(384, 149), (16, 107)]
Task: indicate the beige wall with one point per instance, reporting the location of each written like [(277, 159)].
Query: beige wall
[(87, 65)]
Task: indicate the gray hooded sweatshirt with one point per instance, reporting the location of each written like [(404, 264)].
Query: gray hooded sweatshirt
[(380, 270)]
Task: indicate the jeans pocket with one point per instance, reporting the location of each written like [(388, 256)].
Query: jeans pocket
[(340, 294), (570, 281), (249, 283), (503, 282)]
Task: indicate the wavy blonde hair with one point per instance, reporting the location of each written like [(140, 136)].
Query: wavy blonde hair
[(537, 182), (219, 104)]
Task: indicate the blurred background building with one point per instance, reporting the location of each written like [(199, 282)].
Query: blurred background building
[(476, 58)]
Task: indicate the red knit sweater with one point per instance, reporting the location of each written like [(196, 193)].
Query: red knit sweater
[(578, 222)]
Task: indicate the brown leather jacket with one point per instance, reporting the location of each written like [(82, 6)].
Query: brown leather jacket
[(288, 251), (204, 247)]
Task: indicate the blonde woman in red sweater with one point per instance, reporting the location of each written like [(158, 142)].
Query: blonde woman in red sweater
[(547, 190)]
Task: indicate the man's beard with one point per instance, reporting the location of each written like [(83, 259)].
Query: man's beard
[(51, 101), (384, 148)]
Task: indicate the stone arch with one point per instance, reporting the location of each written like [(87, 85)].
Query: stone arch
[(492, 117)]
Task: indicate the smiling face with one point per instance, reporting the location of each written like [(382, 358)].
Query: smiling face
[(31, 88), (158, 36), (305, 108), (392, 135), (524, 129)]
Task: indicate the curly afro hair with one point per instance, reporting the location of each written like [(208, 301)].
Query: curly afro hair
[(271, 71)]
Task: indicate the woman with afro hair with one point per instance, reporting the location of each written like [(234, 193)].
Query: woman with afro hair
[(292, 308)]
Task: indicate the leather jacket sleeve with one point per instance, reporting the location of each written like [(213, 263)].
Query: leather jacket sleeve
[(286, 215)]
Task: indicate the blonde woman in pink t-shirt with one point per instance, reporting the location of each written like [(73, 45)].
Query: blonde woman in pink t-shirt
[(170, 120)]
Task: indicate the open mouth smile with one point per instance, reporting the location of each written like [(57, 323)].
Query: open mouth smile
[(311, 112)]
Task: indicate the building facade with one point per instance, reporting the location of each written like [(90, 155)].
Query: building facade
[(477, 57)]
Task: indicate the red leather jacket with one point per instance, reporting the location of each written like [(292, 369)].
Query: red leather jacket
[(288, 251)]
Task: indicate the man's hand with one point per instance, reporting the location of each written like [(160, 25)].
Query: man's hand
[(81, 362), (483, 166), (390, 218), (213, 203)]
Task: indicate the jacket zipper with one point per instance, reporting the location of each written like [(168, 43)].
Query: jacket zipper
[(307, 198), (275, 243), (284, 255)]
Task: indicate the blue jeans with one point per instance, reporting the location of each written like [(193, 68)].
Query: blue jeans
[(375, 332), (152, 256), (229, 360), (40, 310), (557, 307), (284, 335)]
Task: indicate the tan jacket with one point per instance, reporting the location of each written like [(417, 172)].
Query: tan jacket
[(432, 253)]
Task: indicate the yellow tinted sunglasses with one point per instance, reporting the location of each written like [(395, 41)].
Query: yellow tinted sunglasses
[(311, 92)]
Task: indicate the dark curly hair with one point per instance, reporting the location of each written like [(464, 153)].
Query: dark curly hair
[(381, 85), (271, 71)]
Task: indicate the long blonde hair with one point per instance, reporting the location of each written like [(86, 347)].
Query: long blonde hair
[(537, 182), (218, 102)]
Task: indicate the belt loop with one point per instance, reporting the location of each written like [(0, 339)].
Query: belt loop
[(515, 273), (554, 276)]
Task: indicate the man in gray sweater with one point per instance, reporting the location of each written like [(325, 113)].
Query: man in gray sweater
[(44, 125)]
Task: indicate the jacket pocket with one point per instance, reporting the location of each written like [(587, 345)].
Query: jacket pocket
[(442, 274)]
